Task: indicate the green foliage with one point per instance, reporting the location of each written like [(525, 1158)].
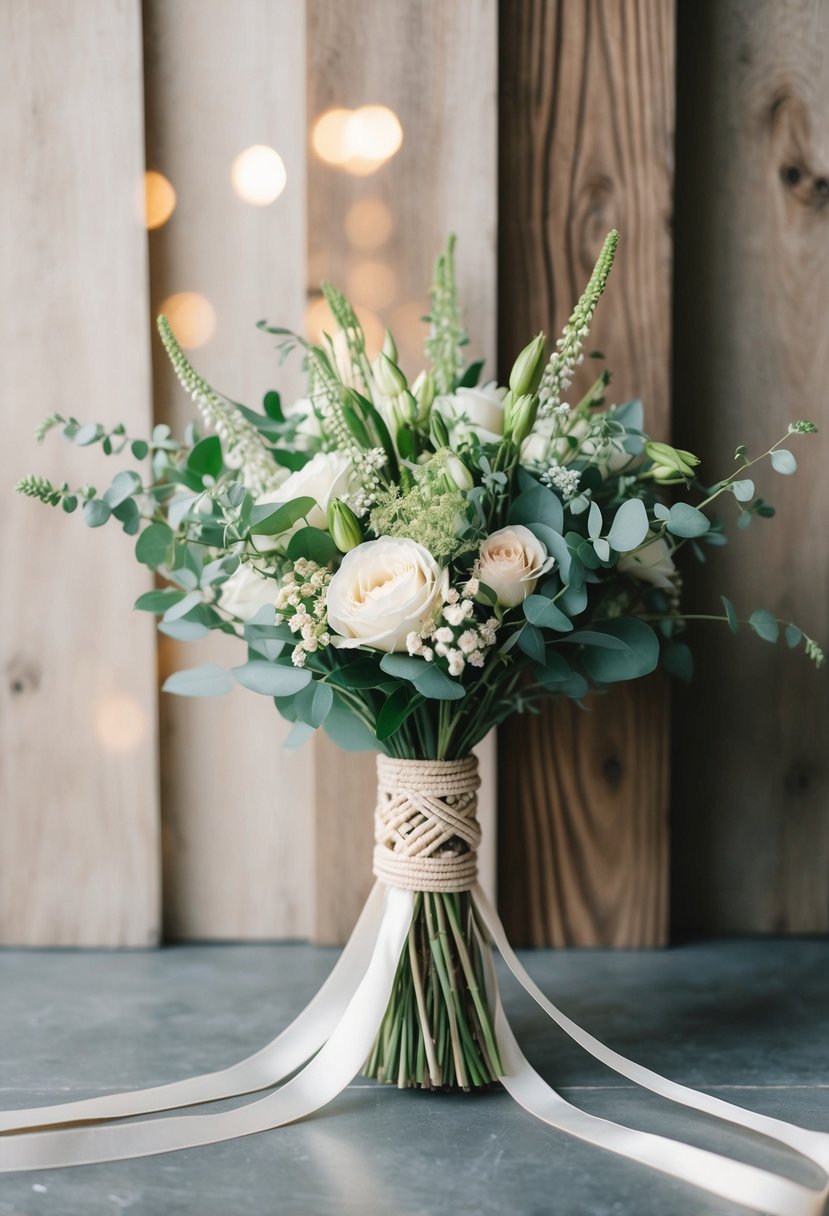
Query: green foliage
[(446, 340)]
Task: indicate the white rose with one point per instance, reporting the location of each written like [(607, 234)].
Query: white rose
[(245, 592), (384, 590), (327, 475), (475, 411), (652, 564), (511, 561)]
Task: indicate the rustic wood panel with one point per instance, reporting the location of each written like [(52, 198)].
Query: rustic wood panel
[(434, 64), (586, 144), (751, 779), (79, 861), (220, 78)]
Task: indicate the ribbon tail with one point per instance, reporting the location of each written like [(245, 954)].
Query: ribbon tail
[(283, 1056), (744, 1184)]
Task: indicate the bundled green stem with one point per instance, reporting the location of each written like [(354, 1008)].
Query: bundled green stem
[(438, 1031)]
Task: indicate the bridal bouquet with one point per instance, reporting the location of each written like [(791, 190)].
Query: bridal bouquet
[(407, 564)]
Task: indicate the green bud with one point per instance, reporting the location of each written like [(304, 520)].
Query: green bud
[(459, 474), (408, 406), (343, 525), (669, 462), (390, 380), (389, 347), (424, 391), (528, 368), (519, 417), (438, 433)]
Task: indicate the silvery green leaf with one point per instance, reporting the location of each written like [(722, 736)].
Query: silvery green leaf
[(181, 607), (123, 487), (96, 512), (629, 528), (538, 505), (594, 521), (271, 679), (579, 504), (743, 490), (764, 625), (184, 631), (544, 614), (299, 733), (793, 636), (602, 549), (154, 545), (782, 461), (685, 520), (605, 666), (731, 614), (208, 680), (595, 637), (661, 511)]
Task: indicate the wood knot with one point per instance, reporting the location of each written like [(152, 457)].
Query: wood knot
[(23, 676), (799, 778), (812, 190), (612, 771)]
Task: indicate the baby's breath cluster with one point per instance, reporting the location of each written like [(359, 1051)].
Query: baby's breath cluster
[(455, 635), (564, 481), (301, 603)]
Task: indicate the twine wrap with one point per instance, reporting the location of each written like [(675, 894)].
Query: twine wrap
[(425, 831)]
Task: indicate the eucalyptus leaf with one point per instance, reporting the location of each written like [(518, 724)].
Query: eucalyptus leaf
[(606, 666), (158, 601), (272, 519), (185, 630), (793, 636), (730, 614), (395, 710), (685, 520), (601, 548), (782, 461), (630, 526), (348, 731), (596, 637), (679, 660), (124, 485), (594, 521), (96, 512), (743, 490), (531, 641), (299, 733), (181, 607), (208, 680), (544, 614), (537, 506), (206, 457), (438, 686), (154, 546), (764, 625), (271, 679), (314, 544)]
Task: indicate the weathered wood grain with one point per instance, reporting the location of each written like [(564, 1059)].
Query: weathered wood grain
[(751, 788), (220, 78), (586, 144), (434, 64), (79, 858)]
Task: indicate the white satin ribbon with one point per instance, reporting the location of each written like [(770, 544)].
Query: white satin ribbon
[(764, 1191), (329, 1072)]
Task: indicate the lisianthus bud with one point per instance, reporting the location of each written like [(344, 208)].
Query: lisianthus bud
[(520, 417), (424, 391), (437, 431), (389, 347), (343, 526), (528, 368), (459, 474), (390, 379), (670, 462)]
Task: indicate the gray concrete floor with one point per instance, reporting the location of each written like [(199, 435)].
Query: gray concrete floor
[(748, 1020)]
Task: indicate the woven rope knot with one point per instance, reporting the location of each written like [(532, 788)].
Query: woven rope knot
[(425, 831)]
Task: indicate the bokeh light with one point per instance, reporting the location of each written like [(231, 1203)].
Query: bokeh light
[(374, 132), (373, 284), (192, 318), (120, 724), (330, 136), (373, 328), (359, 141), (368, 224), (319, 321), (159, 199), (258, 175)]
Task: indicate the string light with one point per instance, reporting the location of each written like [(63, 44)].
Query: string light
[(358, 141), (120, 724), (159, 199), (368, 224)]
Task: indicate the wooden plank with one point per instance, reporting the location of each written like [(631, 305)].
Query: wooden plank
[(221, 78), (752, 786), (79, 860), (434, 64), (586, 144)]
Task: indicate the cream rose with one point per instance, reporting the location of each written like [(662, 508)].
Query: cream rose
[(383, 590), (511, 561), (652, 564), (245, 592), (327, 475), (475, 411)]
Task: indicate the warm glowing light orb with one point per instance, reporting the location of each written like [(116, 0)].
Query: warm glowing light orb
[(258, 175), (368, 223), (374, 132), (159, 199), (192, 318), (330, 136), (120, 724), (373, 284), (359, 141)]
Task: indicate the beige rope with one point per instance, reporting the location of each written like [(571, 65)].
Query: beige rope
[(425, 831)]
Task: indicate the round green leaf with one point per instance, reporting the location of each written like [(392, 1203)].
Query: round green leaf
[(271, 679), (605, 666), (154, 546), (208, 680)]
